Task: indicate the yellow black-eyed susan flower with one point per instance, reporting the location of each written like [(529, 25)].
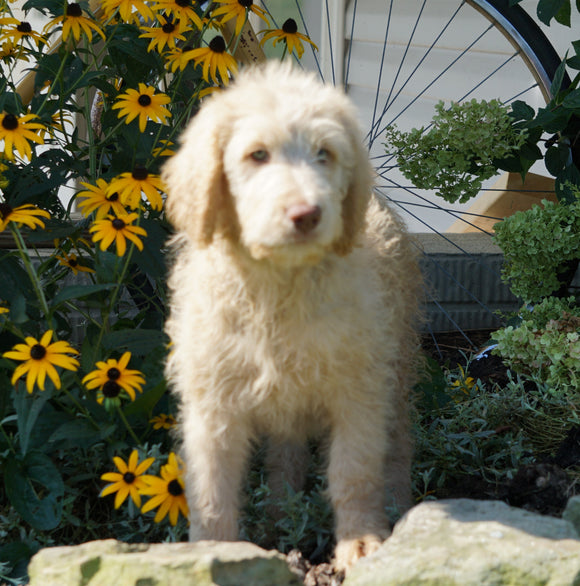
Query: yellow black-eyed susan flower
[(72, 262), (18, 31), (163, 421), (6, 310), (143, 103), (131, 185), (290, 36), (463, 383), (11, 51), (238, 9), (167, 33), (182, 10), (117, 230), (26, 214), (177, 58), (39, 359), (73, 21), (130, 11), (128, 481), (214, 58), (16, 131), (167, 492), (165, 149), (97, 199), (57, 122), (112, 377)]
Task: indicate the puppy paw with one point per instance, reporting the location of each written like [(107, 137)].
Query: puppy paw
[(349, 551)]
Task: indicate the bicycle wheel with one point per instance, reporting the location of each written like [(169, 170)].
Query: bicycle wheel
[(397, 60)]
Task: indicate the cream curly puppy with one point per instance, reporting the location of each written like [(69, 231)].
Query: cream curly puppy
[(293, 296)]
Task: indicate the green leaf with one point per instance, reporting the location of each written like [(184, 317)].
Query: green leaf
[(28, 408), (552, 121), (79, 432), (548, 9), (556, 158), (521, 110), (16, 556), (572, 100), (22, 479), (79, 292), (146, 402), (152, 260), (558, 78), (563, 15), (15, 280), (574, 62), (139, 342), (531, 152), (567, 178)]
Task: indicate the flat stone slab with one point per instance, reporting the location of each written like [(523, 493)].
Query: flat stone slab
[(205, 563)]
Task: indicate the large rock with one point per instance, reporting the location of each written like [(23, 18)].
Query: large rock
[(113, 563), (473, 543)]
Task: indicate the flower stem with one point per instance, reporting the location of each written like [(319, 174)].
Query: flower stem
[(128, 426), (32, 274)]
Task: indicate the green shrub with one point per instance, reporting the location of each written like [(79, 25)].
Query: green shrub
[(536, 244), (545, 346), (459, 151)]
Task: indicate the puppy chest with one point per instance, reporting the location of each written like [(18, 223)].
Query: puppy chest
[(285, 357)]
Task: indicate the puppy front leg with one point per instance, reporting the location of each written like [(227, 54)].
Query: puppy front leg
[(356, 476), (215, 452)]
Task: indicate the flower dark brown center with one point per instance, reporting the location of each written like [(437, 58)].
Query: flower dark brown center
[(73, 263), (140, 173), (183, 3), (24, 27), (114, 373), (37, 352), (174, 488), (74, 10), (217, 44), (118, 224), (111, 389), (113, 197), (5, 210), (168, 28), (245, 3), (10, 122), (129, 478), (144, 100), (290, 27)]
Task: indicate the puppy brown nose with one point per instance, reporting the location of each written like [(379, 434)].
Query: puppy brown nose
[(305, 217)]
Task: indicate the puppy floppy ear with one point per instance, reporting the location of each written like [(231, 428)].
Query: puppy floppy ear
[(198, 197), (354, 205)]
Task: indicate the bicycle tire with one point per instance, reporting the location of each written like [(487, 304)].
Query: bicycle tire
[(526, 36), (528, 47)]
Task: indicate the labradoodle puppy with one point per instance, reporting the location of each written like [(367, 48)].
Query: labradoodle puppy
[(293, 295)]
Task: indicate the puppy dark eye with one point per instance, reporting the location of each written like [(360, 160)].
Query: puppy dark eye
[(260, 156), (323, 156)]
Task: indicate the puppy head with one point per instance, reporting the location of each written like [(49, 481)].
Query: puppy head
[(275, 164)]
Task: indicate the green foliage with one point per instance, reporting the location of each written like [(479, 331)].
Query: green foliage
[(560, 10), (469, 432), (70, 307), (537, 244), (459, 150), (471, 142), (545, 346)]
